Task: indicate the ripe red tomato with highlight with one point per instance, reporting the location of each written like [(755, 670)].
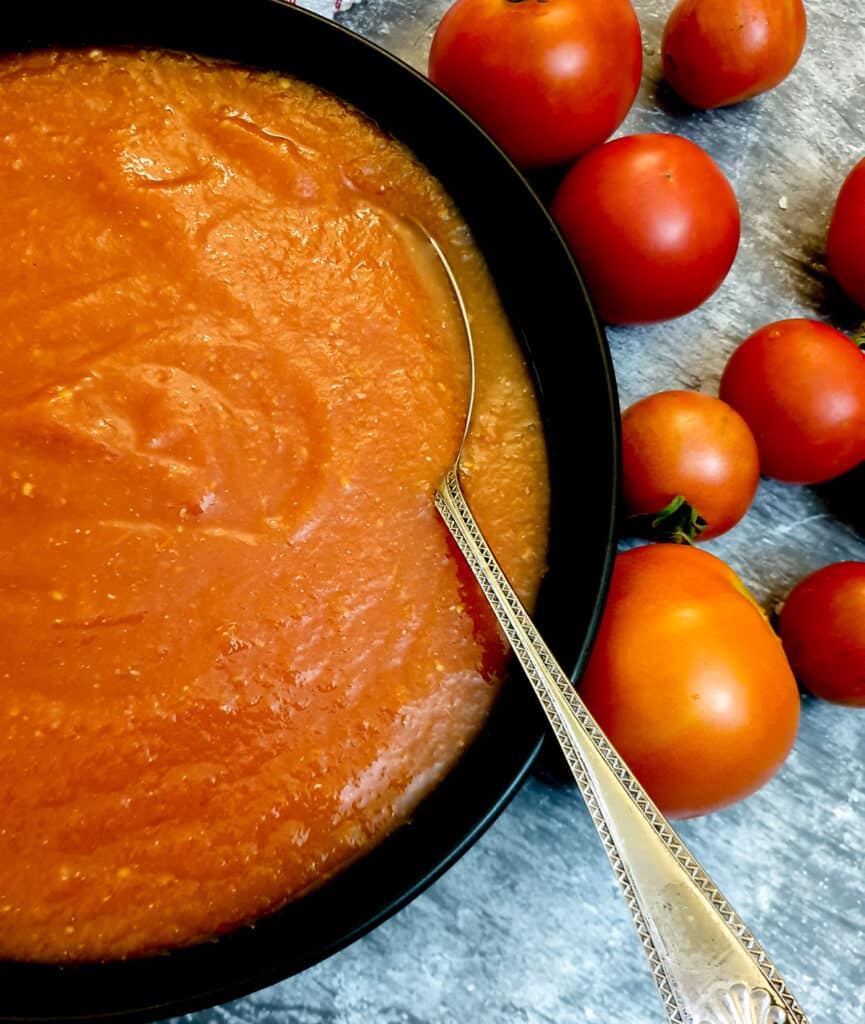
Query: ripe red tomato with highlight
[(719, 52), (846, 231), (653, 224), (548, 79), (800, 386), (682, 444), (688, 680), (822, 626)]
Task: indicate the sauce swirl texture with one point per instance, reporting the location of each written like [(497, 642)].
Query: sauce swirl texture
[(236, 645)]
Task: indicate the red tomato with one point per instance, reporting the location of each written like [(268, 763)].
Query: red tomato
[(688, 681), (653, 223), (800, 387), (822, 626), (548, 79), (693, 446), (718, 52), (846, 231)]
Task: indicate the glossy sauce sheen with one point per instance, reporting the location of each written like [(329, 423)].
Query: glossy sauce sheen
[(237, 645)]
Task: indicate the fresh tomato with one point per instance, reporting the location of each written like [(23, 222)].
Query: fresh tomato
[(846, 231), (548, 79), (653, 224), (822, 626), (688, 680), (689, 450), (718, 52), (800, 387)]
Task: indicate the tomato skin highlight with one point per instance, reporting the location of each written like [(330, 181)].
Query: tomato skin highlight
[(800, 386), (653, 224), (689, 444), (720, 52), (688, 680), (548, 79), (822, 627), (846, 231)]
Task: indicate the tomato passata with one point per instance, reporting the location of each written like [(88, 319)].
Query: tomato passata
[(800, 386), (822, 626), (718, 52), (548, 79), (682, 444), (688, 680), (846, 231)]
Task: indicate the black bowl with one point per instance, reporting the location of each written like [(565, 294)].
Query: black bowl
[(553, 318)]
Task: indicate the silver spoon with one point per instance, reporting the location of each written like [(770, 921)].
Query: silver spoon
[(707, 965)]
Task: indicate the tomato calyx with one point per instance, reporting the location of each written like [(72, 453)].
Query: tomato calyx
[(859, 338), (677, 523)]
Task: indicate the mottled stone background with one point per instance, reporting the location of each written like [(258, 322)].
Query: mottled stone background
[(528, 926)]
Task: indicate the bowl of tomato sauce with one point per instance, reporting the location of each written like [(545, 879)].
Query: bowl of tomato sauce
[(254, 704)]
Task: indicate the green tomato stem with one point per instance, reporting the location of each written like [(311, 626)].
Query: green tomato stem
[(677, 523)]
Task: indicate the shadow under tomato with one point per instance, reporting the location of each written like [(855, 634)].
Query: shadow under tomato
[(665, 98), (844, 496), (817, 289)]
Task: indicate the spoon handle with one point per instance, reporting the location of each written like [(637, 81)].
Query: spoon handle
[(707, 965)]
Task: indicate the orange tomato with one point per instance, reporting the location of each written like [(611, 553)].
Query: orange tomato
[(844, 240), (682, 444), (718, 52), (688, 680), (800, 386), (653, 223), (548, 79), (822, 627)]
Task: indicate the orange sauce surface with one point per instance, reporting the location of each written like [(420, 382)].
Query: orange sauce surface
[(237, 645)]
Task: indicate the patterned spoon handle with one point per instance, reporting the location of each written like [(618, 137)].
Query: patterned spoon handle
[(708, 967)]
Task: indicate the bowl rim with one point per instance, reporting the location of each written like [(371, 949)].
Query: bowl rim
[(248, 959)]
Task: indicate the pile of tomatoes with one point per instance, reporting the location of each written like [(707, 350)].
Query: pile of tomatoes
[(685, 661)]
